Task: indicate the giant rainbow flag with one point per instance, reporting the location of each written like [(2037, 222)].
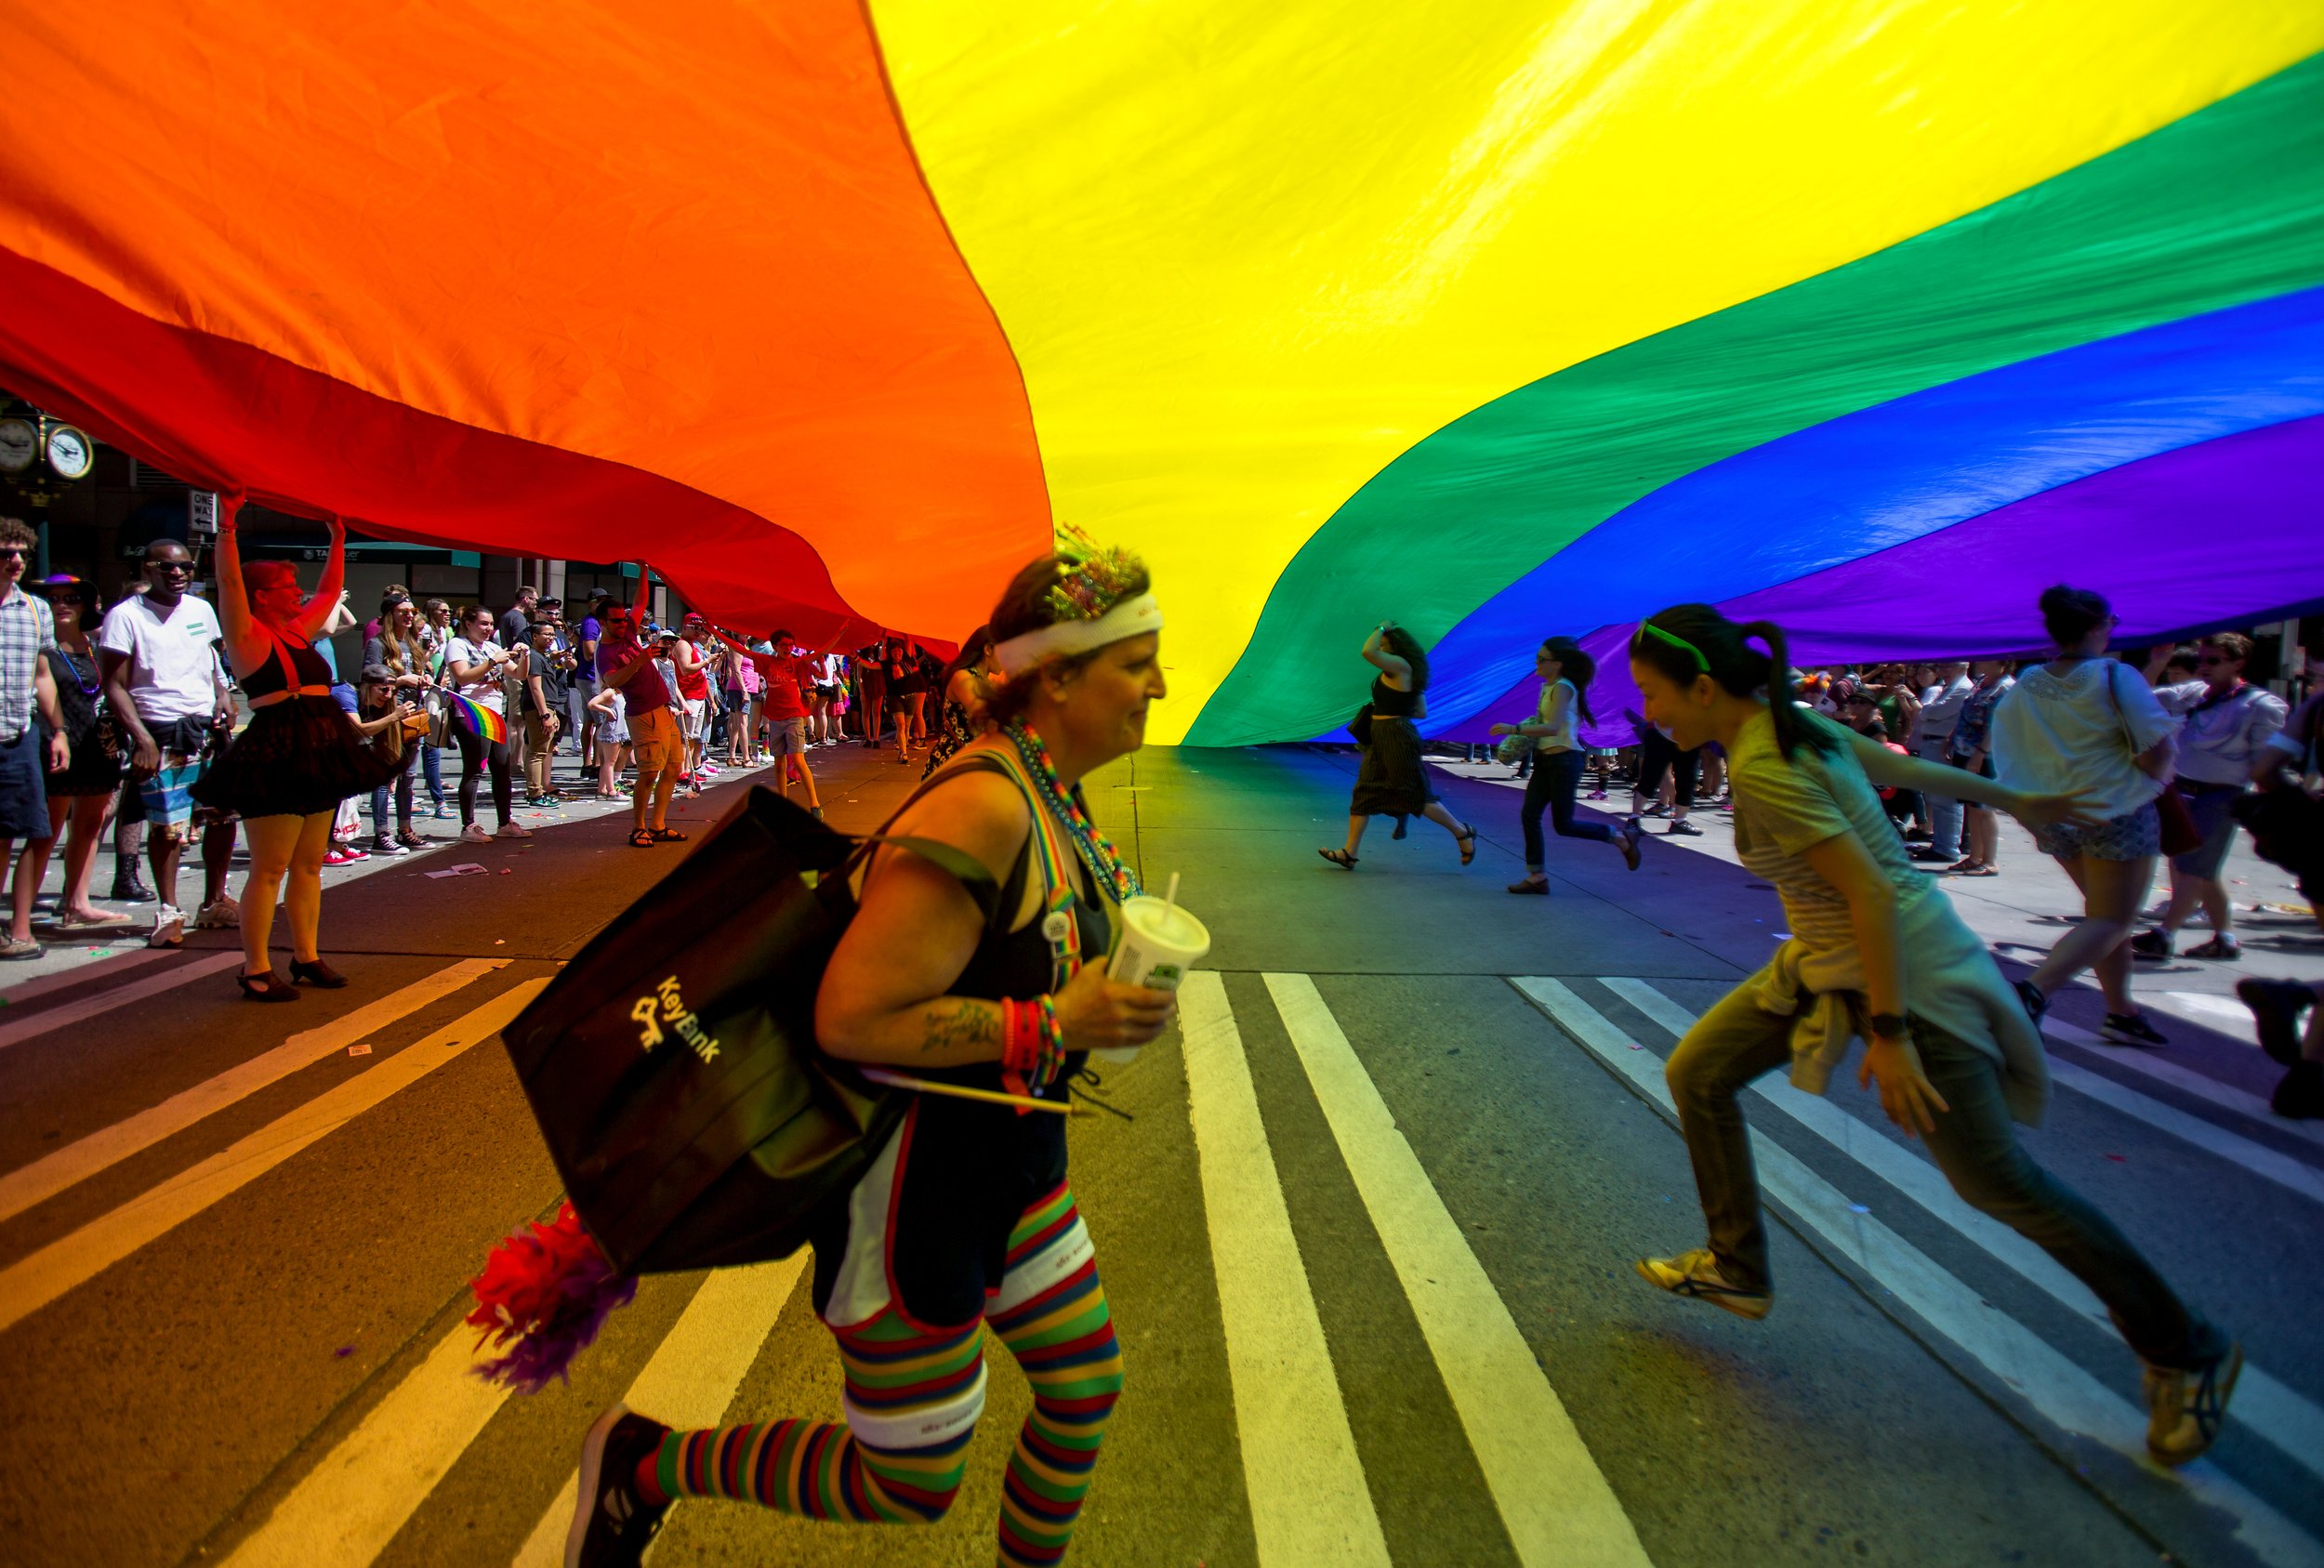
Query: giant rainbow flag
[(1499, 320)]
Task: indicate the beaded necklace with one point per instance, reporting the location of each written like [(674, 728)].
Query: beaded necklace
[(1097, 852), (87, 683)]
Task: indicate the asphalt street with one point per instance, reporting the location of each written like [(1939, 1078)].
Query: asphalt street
[(1368, 1231)]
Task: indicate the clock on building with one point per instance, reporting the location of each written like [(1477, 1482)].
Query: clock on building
[(71, 453), (20, 444)]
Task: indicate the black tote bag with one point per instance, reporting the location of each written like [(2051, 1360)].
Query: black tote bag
[(672, 1064)]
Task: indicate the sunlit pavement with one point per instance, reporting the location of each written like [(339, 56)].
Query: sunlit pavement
[(1368, 1238)]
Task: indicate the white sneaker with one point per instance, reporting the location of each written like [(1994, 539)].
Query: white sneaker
[(218, 913), (169, 928), (515, 830), (474, 834)]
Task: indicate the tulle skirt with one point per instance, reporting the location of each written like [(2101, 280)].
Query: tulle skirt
[(292, 759)]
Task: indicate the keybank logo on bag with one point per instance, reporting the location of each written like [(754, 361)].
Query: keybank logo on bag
[(663, 1005)]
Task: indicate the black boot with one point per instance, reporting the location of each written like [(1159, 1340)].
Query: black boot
[(128, 886)]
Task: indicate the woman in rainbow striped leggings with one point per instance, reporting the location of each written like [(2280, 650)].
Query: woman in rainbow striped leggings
[(964, 965)]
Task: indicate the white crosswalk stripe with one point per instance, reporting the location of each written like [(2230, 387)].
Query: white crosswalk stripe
[(692, 1374), (1553, 1501), (2056, 1386), (1309, 1499)]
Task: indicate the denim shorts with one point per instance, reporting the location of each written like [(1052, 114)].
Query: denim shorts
[(2213, 807), (2132, 835)]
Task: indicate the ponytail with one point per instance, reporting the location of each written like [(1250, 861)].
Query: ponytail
[(1577, 668), (1688, 641)]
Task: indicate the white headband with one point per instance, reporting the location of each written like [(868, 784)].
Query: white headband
[(1131, 617)]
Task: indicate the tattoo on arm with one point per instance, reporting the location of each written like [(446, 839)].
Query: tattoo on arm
[(962, 1023)]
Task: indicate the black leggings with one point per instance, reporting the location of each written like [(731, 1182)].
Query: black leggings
[(495, 754), (1657, 754), (1556, 775)]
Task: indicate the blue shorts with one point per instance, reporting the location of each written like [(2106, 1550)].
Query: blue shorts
[(24, 785)]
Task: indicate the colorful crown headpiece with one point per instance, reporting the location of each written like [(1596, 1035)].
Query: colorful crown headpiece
[(1091, 578), (1093, 604)]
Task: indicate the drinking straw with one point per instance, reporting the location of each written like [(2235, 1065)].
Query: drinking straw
[(959, 1091), (1169, 898)]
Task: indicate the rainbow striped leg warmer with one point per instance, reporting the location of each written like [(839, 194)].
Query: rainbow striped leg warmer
[(916, 1391), (1062, 1336)]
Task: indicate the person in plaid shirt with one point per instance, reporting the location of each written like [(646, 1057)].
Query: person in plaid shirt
[(26, 757)]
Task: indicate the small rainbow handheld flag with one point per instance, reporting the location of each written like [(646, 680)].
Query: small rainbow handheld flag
[(478, 719)]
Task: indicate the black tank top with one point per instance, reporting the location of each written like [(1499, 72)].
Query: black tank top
[(1389, 702), (307, 669), (1018, 964)]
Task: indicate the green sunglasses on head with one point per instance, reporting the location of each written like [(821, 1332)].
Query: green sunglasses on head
[(1646, 627)]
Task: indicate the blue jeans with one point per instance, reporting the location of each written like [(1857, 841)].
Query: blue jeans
[(1974, 1144), (432, 767), (1943, 810), (1556, 775)]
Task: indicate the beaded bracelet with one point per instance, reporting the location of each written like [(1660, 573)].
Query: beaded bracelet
[(1051, 1059)]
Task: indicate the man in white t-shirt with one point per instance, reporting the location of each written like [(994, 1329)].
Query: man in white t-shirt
[(164, 681)]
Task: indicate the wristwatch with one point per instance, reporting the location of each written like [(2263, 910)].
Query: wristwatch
[(1888, 1026)]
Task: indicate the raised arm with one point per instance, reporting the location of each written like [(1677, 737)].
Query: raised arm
[(1390, 664), (329, 601), (233, 599)]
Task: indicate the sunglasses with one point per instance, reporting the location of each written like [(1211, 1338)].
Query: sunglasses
[(174, 568), (16, 552)]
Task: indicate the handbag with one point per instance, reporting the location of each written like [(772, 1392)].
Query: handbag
[(2180, 835), (672, 1064), (2287, 822), (1361, 725)]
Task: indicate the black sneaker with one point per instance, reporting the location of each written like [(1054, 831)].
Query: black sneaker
[(611, 1524), (2301, 1096), (2034, 1003), (2220, 949), (2186, 1406), (1929, 852), (2154, 942), (1682, 827), (2130, 1029), (2276, 1007)]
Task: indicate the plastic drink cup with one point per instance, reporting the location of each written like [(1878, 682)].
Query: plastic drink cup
[(1160, 943)]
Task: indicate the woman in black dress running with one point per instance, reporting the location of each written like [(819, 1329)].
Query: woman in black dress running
[(1392, 781)]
